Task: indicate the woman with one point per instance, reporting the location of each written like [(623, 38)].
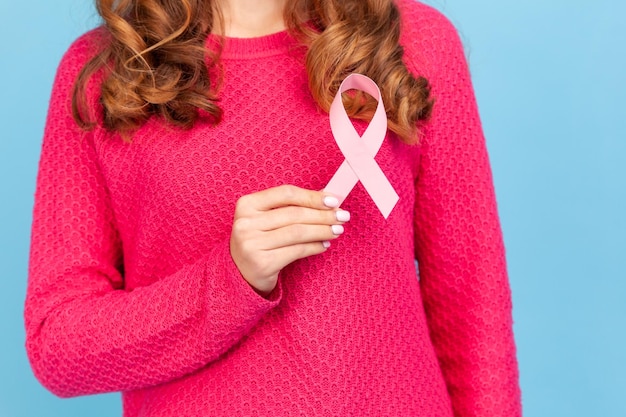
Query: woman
[(181, 253)]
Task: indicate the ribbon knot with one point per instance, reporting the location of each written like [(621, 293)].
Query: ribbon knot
[(359, 151)]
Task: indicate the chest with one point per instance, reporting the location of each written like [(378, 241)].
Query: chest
[(271, 133)]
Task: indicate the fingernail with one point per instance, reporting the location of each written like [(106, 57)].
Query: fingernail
[(326, 244), (337, 229), (330, 201), (342, 215)]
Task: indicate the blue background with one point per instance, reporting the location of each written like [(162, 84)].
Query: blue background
[(549, 77)]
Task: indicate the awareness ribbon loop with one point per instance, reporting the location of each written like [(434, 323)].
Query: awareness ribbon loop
[(359, 151)]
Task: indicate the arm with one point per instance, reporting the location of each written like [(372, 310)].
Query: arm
[(459, 243), (84, 333)]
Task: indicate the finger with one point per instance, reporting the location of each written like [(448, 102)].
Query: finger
[(286, 255), (285, 216), (290, 195), (297, 234)]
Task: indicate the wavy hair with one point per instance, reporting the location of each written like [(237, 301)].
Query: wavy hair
[(156, 62)]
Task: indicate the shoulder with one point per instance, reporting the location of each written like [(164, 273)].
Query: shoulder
[(75, 58), (84, 48), (417, 11), (428, 37), (79, 53), (423, 24)]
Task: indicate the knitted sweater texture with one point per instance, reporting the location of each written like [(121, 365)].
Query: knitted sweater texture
[(132, 287)]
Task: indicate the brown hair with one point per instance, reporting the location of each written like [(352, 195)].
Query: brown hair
[(156, 61)]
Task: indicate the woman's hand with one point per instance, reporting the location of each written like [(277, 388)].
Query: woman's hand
[(277, 226)]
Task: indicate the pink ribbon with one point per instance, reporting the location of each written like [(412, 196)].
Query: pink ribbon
[(360, 151)]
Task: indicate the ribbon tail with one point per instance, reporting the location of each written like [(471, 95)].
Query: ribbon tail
[(342, 183), (375, 183), (385, 199)]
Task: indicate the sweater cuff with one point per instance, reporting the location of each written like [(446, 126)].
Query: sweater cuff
[(241, 292)]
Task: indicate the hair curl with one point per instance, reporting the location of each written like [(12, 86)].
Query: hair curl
[(156, 62)]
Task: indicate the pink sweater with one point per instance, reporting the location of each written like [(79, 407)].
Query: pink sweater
[(132, 287)]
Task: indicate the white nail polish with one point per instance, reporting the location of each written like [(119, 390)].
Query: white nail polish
[(326, 244), (337, 229), (343, 216), (330, 201)]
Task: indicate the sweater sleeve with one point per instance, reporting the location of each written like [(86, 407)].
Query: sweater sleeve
[(459, 244), (85, 333)]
